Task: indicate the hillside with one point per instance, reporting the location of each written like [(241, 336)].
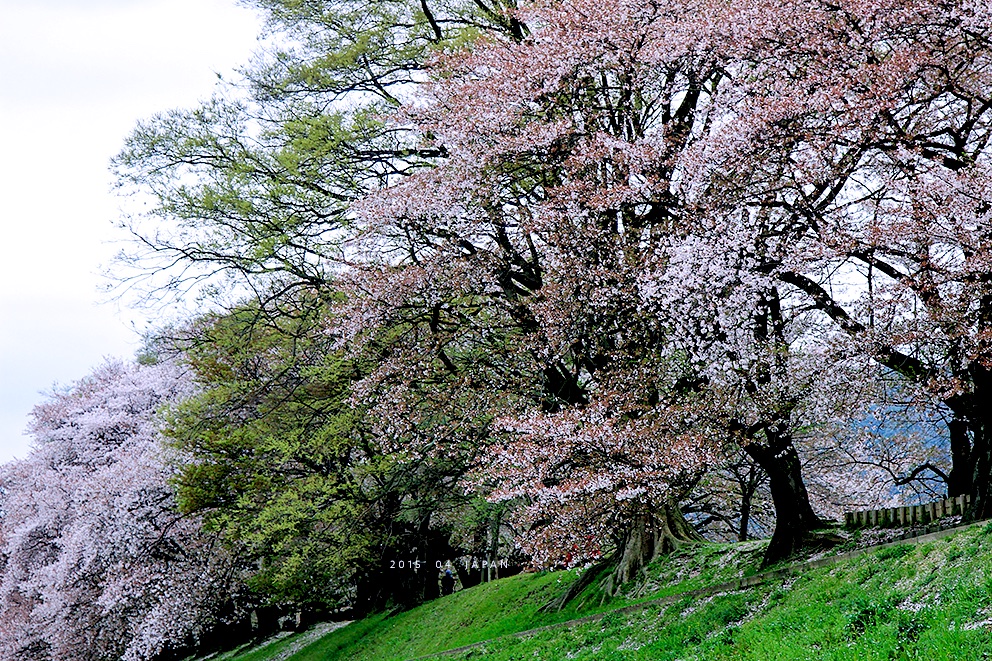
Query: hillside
[(931, 600)]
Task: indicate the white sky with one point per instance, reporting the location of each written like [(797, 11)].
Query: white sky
[(75, 76)]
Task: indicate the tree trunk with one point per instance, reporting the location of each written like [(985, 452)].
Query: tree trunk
[(980, 422), (794, 516), (749, 484), (981, 498), (493, 572), (795, 519), (745, 517), (960, 479), (651, 535), (467, 576)]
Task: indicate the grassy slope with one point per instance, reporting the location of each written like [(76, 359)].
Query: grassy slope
[(932, 601)]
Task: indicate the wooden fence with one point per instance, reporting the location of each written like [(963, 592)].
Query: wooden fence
[(908, 515)]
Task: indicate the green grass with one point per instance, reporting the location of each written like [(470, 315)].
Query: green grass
[(932, 601), (486, 611)]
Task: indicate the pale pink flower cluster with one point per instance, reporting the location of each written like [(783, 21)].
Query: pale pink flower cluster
[(95, 561), (582, 475)]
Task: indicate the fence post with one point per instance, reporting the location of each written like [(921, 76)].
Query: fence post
[(907, 515)]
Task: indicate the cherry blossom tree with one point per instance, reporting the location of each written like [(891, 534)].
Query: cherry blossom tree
[(601, 480), (572, 204), (876, 171), (96, 562)]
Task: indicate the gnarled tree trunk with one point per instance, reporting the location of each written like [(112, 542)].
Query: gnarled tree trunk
[(795, 519), (980, 423), (651, 534)]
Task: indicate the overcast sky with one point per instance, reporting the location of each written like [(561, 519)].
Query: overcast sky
[(75, 76)]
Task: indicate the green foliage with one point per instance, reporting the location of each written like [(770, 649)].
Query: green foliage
[(277, 461), (280, 459), (252, 188)]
